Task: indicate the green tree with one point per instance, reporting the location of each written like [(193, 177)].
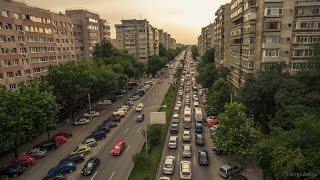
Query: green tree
[(207, 74), (154, 64), (238, 134), (208, 57), (104, 49), (219, 94), (194, 51), (154, 131)]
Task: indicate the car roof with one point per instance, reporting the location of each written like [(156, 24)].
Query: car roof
[(119, 142)]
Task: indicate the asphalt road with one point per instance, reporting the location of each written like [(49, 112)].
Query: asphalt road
[(198, 172)]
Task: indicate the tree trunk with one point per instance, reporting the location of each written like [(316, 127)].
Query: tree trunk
[(48, 133)]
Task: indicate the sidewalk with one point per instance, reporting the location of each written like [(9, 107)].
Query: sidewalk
[(63, 125)]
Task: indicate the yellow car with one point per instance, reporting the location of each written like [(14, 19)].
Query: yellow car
[(82, 148)]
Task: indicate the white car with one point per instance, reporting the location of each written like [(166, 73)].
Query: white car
[(105, 102), (139, 107), (179, 103), (37, 152), (90, 142), (173, 141), (169, 164), (186, 136), (93, 114), (186, 152), (125, 107), (82, 121), (164, 178), (177, 109), (175, 118), (185, 170)]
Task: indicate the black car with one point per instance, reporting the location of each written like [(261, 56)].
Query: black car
[(230, 169), (49, 145), (174, 128), (104, 127), (116, 119), (140, 117), (55, 177), (238, 177), (12, 171), (110, 124), (90, 166), (199, 140), (76, 158), (203, 157), (216, 149), (4, 177)]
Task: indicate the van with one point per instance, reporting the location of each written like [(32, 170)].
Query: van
[(173, 141), (185, 170), (175, 118), (139, 107), (99, 135)]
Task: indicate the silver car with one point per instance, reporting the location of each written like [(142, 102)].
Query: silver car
[(90, 142), (169, 164), (37, 152), (186, 152)]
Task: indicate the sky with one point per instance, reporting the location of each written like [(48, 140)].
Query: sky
[(183, 19)]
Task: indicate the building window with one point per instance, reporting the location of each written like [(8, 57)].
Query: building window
[(273, 11), (18, 73), (10, 74), (1, 76), (3, 38), (27, 72), (308, 25), (272, 25), (271, 39), (302, 52), (5, 13), (15, 62), (271, 52), (8, 26), (16, 15), (24, 61), (12, 86), (19, 28)]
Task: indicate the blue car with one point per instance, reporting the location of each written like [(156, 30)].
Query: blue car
[(63, 168)]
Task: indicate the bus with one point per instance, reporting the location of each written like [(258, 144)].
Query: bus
[(198, 116), (187, 118)]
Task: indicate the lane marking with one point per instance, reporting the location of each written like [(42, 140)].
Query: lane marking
[(112, 175), (194, 160), (138, 129), (126, 131), (128, 148), (178, 158), (94, 175)]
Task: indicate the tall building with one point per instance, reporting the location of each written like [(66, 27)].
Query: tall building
[(32, 39), (206, 39), (267, 33), (222, 35)]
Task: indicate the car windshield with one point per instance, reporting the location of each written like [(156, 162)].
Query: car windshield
[(186, 173), (222, 170), (172, 141), (168, 165), (117, 147)]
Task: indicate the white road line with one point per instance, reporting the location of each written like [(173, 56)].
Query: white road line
[(138, 129), (128, 148), (94, 175), (126, 131), (194, 137), (194, 160), (112, 175), (178, 158)]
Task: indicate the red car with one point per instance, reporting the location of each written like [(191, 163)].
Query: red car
[(60, 139), (22, 160), (118, 148), (97, 107), (212, 122), (66, 134)]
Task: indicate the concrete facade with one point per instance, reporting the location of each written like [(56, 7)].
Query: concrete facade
[(32, 39), (206, 39)]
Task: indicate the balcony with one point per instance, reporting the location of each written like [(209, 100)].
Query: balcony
[(307, 2)]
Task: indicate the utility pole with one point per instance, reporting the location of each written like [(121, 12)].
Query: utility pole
[(89, 106)]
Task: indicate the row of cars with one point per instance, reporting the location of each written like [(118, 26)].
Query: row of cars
[(17, 166)]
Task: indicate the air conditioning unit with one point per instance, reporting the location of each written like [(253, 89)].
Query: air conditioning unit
[(22, 44), (24, 55), (22, 32)]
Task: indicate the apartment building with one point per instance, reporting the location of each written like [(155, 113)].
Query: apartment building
[(206, 39), (267, 33), (173, 44), (222, 35), (32, 39)]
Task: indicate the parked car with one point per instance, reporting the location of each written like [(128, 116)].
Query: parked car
[(139, 107), (212, 123), (55, 177), (98, 135), (82, 121), (118, 148), (199, 140), (76, 158), (174, 128), (203, 157), (93, 114), (119, 112), (97, 108), (12, 171), (63, 168), (82, 148), (229, 169), (186, 151), (67, 134), (91, 142), (104, 128), (37, 152), (169, 165), (110, 124), (105, 102), (118, 95), (238, 177), (140, 117), (216, 149), (21, 160), (49, 145), (134, 98), (90, 166), (130, 103), (60, 139)]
